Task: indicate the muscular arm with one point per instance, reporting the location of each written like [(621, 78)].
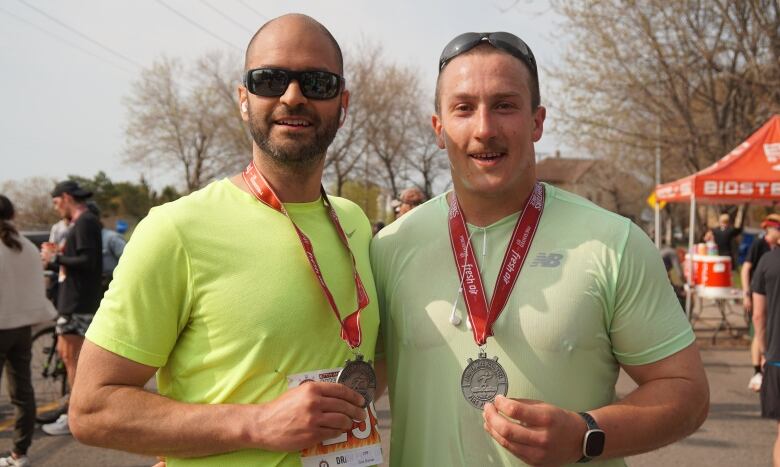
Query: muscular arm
[(670, 403), (110, 408)]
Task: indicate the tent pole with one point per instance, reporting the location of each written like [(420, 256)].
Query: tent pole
[(691, 269), (657, 182), (657, 225)]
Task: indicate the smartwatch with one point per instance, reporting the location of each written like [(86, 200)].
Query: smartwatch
[(593, 443)]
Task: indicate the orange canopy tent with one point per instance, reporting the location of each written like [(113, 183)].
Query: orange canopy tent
[(751, 172)]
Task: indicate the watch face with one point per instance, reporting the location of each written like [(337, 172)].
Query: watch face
[(594, 443)]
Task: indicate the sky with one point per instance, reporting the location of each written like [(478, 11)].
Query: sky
[(66, 65)]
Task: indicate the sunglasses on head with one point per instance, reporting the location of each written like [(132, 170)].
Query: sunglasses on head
[(273, 82), (501, 40)]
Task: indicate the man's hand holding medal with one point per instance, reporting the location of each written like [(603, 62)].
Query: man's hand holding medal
[(536, 432), (307, 415)]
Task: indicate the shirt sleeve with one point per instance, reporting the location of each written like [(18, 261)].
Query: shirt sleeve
[(648, 323), (758, 283), (148, 302), (752, 256)]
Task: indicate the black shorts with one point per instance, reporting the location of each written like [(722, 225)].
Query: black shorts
[(770, 392)]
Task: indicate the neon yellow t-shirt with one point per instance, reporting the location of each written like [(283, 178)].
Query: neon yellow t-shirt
[(215, 289), (592, 294)]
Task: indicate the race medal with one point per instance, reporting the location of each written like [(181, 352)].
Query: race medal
[(482, 380), (359, 376)]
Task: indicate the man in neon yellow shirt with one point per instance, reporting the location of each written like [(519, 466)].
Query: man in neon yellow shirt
[(579, 293), (233, 292)]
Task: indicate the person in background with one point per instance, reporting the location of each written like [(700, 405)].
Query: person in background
[(765, 287), (57, 233), (725, 235), (759, 247), (22, 303), (80, 264), (409, 199)]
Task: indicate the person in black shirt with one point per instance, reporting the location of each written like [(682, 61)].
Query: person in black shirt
[(766, 320), (758, 248), (80, 263), (725, 235)]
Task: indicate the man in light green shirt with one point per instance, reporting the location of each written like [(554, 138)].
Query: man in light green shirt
[(591, 297), (216, 294)]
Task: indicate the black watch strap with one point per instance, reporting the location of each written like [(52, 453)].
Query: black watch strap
[(593, 442)]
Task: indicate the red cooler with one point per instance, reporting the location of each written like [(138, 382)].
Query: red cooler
[(715, 271), (710, 271)]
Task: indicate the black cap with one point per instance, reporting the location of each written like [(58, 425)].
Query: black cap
[(72, 188)]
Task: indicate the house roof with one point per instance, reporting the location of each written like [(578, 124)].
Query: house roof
[(562, 170)]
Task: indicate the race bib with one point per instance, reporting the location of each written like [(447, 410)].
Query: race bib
[(360, 446)]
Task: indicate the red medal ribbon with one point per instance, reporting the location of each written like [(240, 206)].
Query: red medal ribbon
[(350, 326), (481, 316)]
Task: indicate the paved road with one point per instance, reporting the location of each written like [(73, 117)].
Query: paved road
[(733, 434)]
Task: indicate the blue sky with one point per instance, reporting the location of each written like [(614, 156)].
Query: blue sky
[(61, 93)]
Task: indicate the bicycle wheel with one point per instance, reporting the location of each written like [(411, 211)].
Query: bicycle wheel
[(48, 374)]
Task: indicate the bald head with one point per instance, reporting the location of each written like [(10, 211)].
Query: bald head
[(293, 25)]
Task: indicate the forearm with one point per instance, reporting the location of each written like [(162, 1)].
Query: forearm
[(132, 419), (745, 276), (80, 261), (657, 413), (759, 321)]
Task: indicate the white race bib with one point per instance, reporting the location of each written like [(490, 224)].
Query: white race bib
[(360, 446)]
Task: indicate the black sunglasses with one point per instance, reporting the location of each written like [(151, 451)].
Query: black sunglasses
[(273, 82), (501, 40)]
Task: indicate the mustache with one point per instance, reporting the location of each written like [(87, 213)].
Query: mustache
[(487, 148), (284, 111)]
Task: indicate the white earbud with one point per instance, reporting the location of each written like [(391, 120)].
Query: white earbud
[(243, 107), (343, 115), (455, 317)]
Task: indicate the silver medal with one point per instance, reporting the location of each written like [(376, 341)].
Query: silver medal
[(359, 376), (482, 380)]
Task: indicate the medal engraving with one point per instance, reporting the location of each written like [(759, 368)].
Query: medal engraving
[(482, 380), (359, 376)]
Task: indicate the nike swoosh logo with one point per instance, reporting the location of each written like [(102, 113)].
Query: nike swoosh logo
[(349, 235)]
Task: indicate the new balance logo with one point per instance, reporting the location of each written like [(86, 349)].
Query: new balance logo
[(547, 260)]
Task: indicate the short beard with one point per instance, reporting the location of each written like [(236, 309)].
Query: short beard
[(297, 156)]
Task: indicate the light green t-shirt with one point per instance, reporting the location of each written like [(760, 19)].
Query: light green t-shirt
[(593, 294), (215, 289)]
